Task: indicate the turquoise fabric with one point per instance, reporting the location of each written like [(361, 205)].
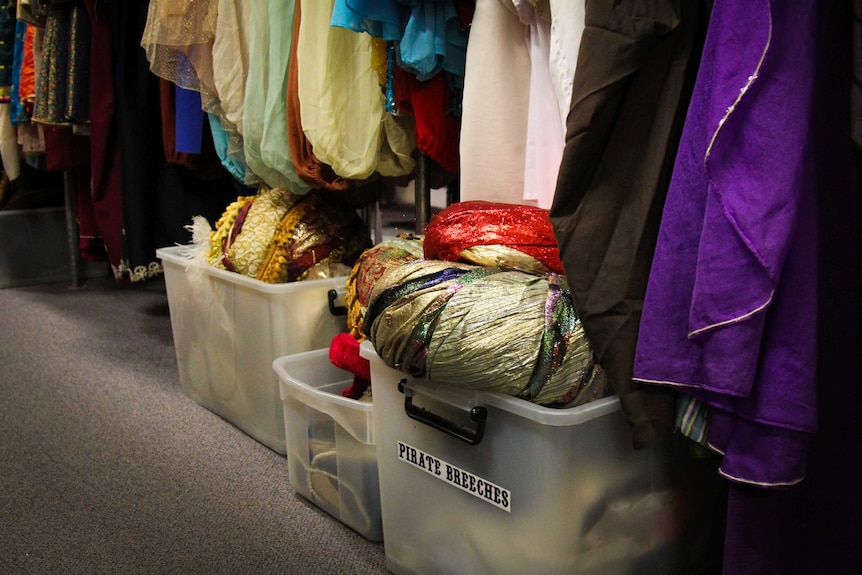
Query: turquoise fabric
[(380, 18)]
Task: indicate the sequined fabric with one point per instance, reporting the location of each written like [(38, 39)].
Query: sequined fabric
[(178, 40), (453, 232), (369, 268), (314, 233), (484, 328), (62, 94), (7, 47), (277, 237), (246, 246)]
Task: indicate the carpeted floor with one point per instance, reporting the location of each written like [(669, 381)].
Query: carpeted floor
[(106, 467)]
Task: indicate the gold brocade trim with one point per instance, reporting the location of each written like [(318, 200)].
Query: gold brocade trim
[(273, 269), (138, 273), (223, 229)]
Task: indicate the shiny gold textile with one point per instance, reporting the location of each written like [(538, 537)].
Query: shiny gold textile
[(314, 237), (484, 328), (278, 237), (249, 246), (178, 40), (369, 268)]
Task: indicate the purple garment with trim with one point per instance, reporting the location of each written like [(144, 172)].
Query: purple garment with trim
[(730, 309)]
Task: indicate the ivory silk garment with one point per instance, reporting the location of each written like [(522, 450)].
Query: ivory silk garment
[(729, 316), (264, 119), (230, 57), (631, 89), (230, 62), (342, 107), (496, 98), (545, 133), (567, 28)]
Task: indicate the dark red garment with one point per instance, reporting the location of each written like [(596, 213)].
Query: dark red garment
[(480, 223), (107, 185), (465, 9), (70, 154), (438, 130)]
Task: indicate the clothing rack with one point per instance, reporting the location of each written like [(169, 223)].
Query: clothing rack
[(71, 229), (422, 187)]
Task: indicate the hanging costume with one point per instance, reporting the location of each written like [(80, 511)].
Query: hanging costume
[(729, 316), (159, 198), (496, 95), (630, 94), (567, 28), (62, 87), (545, 133), (422, 51), (8, 139), (198, 47), (100, 209), (343, 111), (264, 119), (308, 166), (230, 55)]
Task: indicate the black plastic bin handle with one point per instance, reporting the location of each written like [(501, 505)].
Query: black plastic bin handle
[(478, 415), (332, 295)]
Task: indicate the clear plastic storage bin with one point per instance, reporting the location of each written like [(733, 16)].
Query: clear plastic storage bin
[(479, 483), (229, 328), (331, 456)]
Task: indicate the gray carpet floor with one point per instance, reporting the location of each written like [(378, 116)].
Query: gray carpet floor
[(106, 467)]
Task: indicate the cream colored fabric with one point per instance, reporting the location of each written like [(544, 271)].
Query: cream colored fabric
[(495, 103), (230, 57), (251, 246), (343, 109), (567, 27), (9, 144), (546, 137)]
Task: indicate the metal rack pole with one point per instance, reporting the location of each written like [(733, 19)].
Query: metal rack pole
[(71, 229), (423, 193)]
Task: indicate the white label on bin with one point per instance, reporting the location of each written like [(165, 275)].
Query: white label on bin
[(463, 480)]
